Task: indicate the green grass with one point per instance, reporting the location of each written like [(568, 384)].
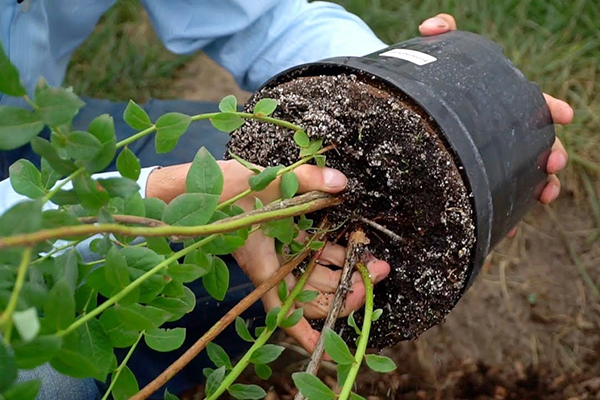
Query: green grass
[(556, 43), (124, 59)]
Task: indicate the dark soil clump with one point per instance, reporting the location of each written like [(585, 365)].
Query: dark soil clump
[(400, 175)]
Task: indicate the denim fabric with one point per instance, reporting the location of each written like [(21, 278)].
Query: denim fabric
[(146, 364)]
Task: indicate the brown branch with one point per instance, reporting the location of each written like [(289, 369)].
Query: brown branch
[(380, 228), (354, 250), (126, 219), (303, 204), (217, 328)]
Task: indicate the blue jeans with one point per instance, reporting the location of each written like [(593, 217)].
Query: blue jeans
[(146, 364)]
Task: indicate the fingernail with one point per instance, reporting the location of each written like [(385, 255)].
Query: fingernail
[(333, 178), (434, 22), (562, 161), (554, 192)]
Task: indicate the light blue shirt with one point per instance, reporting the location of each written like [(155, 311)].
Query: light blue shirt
[(253, 39)]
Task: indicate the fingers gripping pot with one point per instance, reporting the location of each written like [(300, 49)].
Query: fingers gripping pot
[(460, 138)]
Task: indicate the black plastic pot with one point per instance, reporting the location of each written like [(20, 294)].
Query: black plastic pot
[(495, 121)]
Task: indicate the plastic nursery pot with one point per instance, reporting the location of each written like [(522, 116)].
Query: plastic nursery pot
[(495, 121)]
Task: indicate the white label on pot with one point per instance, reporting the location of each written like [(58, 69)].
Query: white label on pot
[(415, 57)]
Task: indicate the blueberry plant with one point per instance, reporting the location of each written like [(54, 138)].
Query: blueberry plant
[(59, 308)]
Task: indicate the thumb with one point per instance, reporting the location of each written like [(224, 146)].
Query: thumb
[(311, 177)]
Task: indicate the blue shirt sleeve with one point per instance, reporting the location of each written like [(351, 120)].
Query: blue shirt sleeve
[(255, 40)]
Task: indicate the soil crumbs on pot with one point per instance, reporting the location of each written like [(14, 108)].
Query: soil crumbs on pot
[(400, 175)]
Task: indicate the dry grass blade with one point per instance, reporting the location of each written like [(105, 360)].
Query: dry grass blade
[(573, 253)]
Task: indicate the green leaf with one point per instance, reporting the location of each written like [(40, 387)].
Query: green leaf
[(312, 148), (169, 396), (242, 330), (312, 387), (186, 272), (342, 373), (214, 381), (376, 314), (169, 128), (64, 197), (301, 138), (304, 223), (265, 107), (354, 396), (159, 244), (115, 269), (154, 208), (85, 352), (216, 281), (293, 318), (8, 366), (67, 269), (245, 163), (337, 348), (119, 335), (45, 149), (380, 363), (27, 323), (177, 307), (266, 354), (126, 385), (57, 218), (228, 104), (207, 371), (165, 339), (103, 129), (191, 209), (26, 179), (226, 122), (263, 371), (36, 352), (281, 229), (88, 192), (82, 145), (289, 185), (316, 245), (10, 83), (205, 175), (136, 117), (59, 309), (139, 261), (24, 217), (271, 318), (17, 127), (282, 290), (23, 391), (246, 392), (259, 330), (139, 317), (120, 187), (49, 175), (57, 106), (320, 159), (307, 296), (218, 355), (352, 323), (264, 178), (128, 164)]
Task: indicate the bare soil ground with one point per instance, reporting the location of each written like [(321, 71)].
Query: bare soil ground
[(529, 328)]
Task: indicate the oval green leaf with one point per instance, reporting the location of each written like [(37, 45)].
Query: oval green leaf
[(164, 340)]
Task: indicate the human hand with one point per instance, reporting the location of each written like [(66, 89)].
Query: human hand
[(259, 259), (560, 111)]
